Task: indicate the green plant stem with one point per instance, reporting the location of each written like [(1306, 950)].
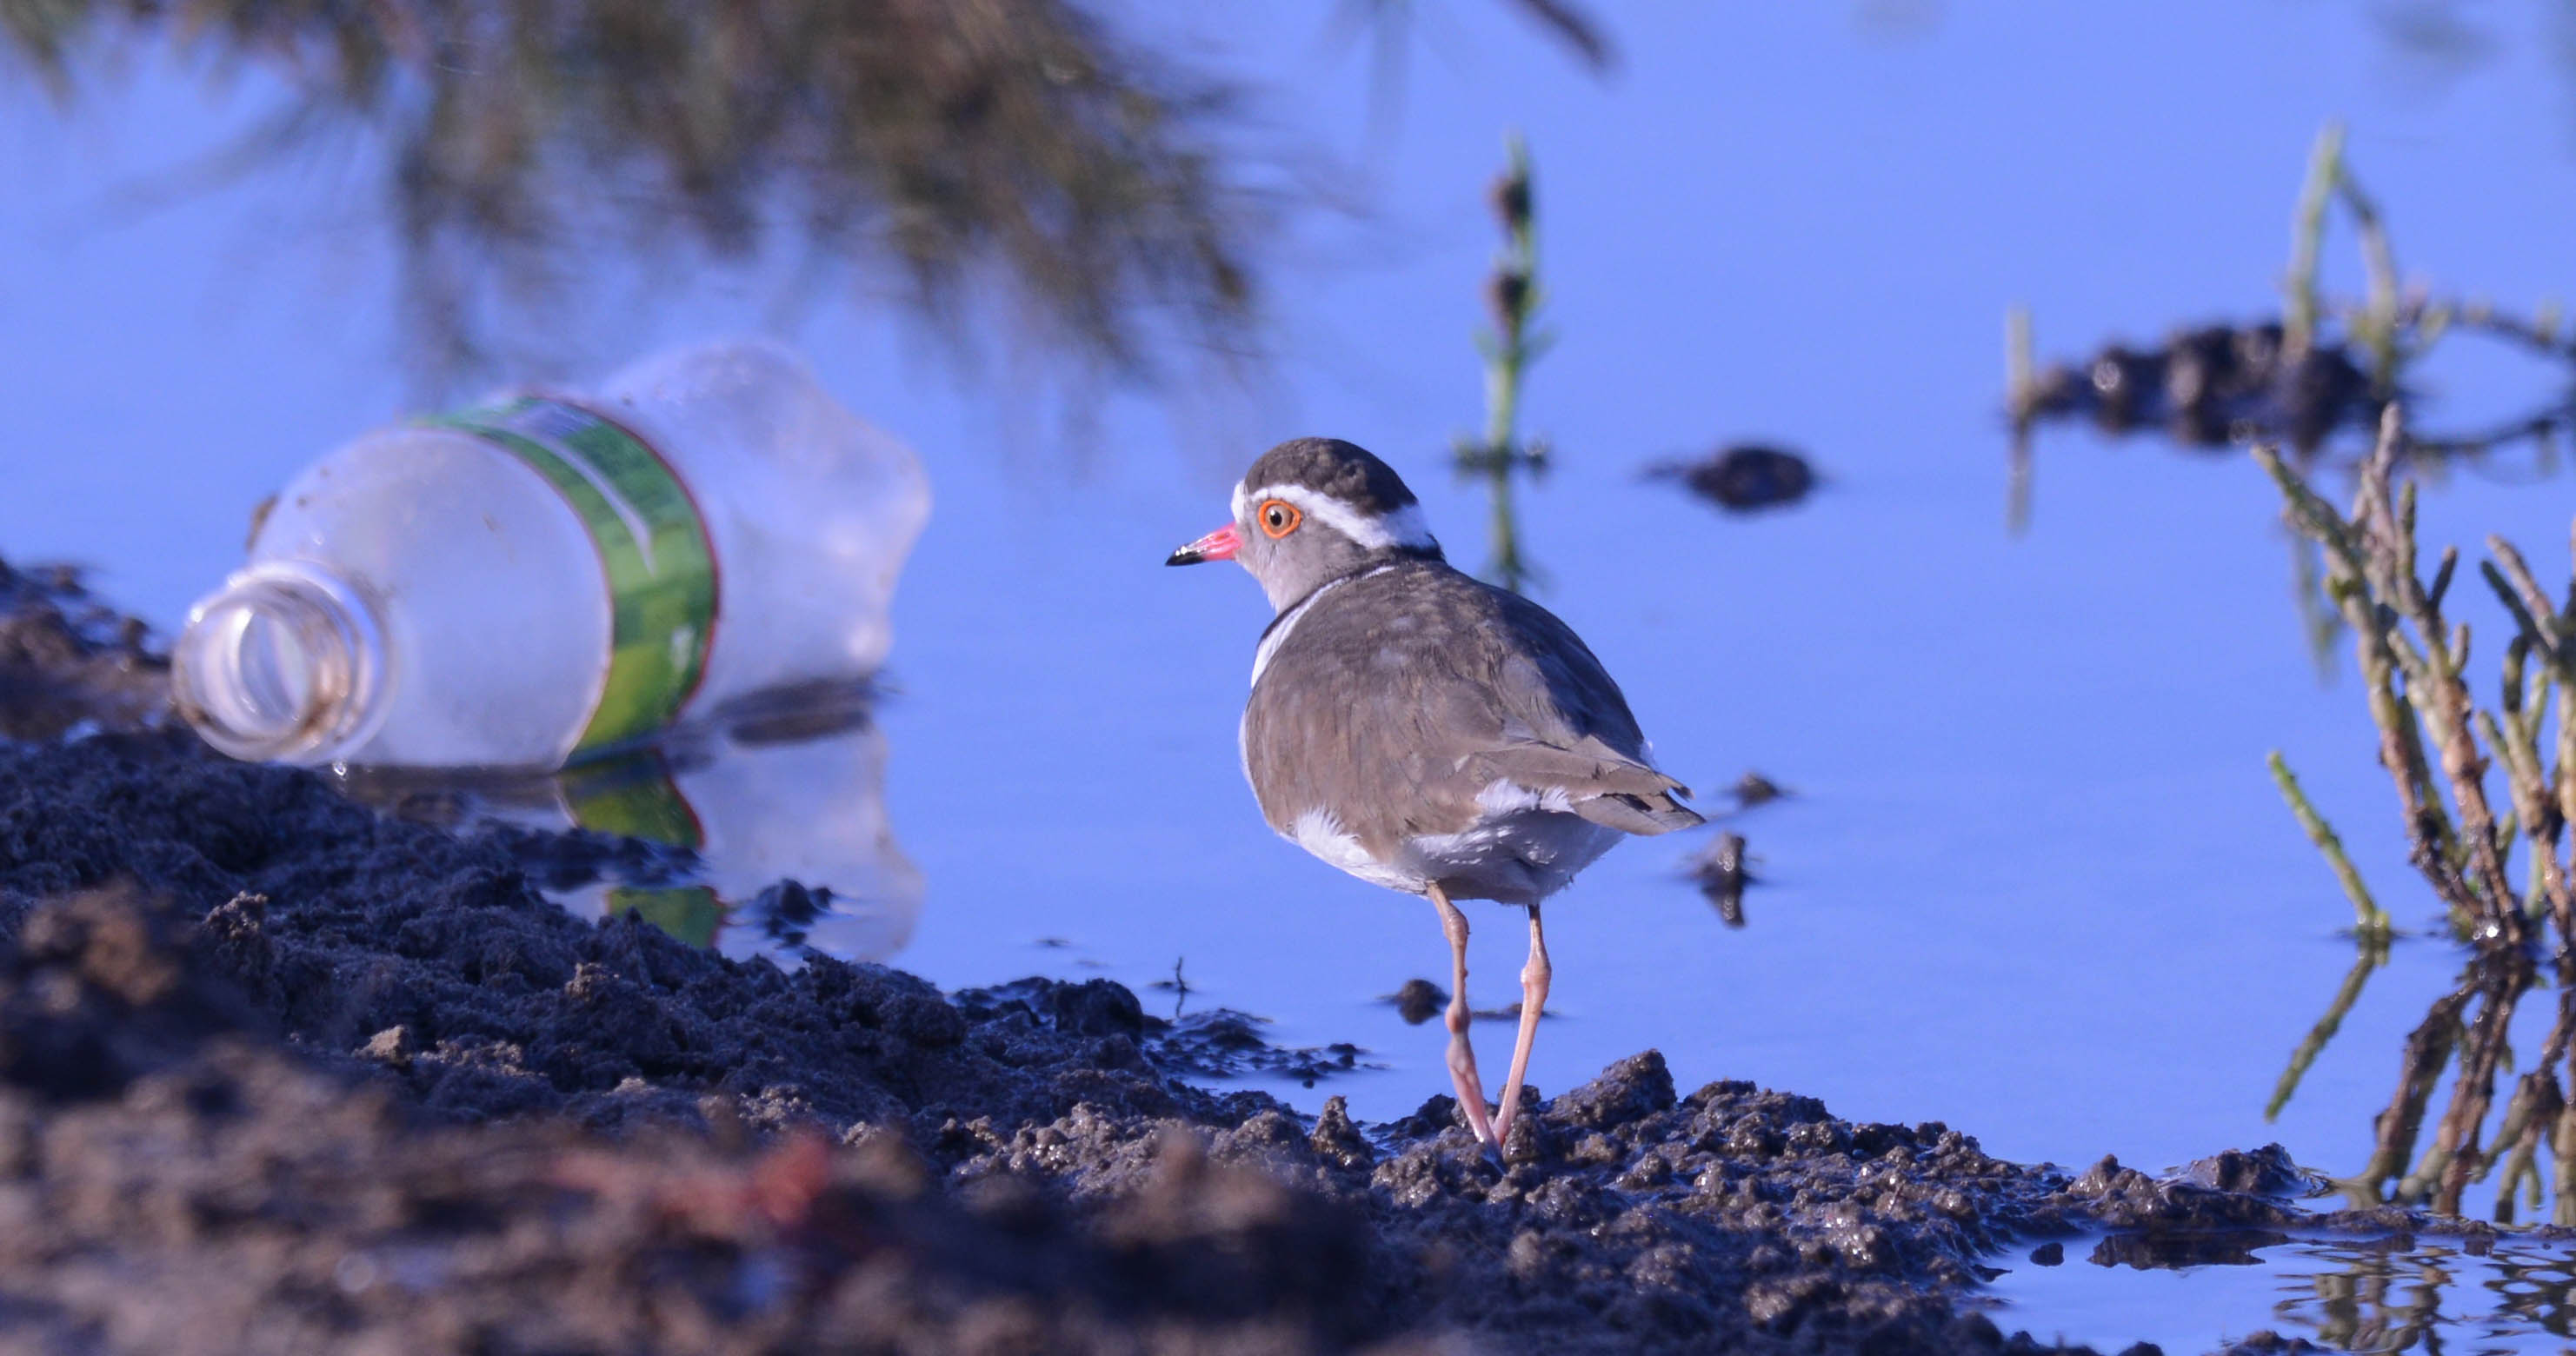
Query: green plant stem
[(1508, 354), (2369, 919), (2379, 263), (2382, 652), (1503, 373), (2307, 237), (2019, 368)]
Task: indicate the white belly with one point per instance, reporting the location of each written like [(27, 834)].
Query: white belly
[(1518, 856)]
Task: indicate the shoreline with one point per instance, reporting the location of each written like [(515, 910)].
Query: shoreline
[(280, 1072)]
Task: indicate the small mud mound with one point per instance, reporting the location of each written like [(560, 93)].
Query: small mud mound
[(69, 662)]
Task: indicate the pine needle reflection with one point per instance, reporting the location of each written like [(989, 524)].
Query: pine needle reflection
[(1015, 138)]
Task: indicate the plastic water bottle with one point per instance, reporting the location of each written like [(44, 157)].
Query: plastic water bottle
[(546, 577)]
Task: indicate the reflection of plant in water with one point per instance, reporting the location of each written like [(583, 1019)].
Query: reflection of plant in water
[(937, 146), (2377, 1299), (1509, 348), (1391, 21), (943, 138), (2439, 745)]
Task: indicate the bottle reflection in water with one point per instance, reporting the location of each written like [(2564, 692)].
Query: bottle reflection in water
[(777, 812)]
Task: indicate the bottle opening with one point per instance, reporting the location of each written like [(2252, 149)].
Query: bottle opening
[(282, 664)]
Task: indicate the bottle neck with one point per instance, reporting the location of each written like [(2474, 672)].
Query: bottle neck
[(286, 663)]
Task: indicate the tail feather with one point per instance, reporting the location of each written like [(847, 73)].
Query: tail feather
[(1643, 815), (1589, 768), (1602, 785)]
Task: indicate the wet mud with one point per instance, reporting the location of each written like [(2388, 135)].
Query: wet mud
[(281, 1073), (70, 662)]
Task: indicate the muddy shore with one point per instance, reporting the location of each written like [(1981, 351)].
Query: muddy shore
[(279, 1073)]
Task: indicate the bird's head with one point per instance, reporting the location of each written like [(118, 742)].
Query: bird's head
[(1311, 510)]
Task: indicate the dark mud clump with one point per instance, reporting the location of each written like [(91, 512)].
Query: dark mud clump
[(280, 1073), (69, 662)]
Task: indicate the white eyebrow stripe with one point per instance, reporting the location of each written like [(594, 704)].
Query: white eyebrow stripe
[(1403, 527)]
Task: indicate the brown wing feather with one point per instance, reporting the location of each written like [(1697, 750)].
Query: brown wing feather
[(1398, 697)]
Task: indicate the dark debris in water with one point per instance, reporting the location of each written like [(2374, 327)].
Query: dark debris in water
[(2211, 386), (1754, 789), (1418, 1001), (1744, 477), (1722, 875), (2175, 1250), (1215, 1043), (785, 912)]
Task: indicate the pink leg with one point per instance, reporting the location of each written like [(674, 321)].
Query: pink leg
[(1462, 1055), (1534, 977)]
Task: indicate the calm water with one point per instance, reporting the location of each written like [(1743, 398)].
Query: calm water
[(2034, 882), (2372, 1295)]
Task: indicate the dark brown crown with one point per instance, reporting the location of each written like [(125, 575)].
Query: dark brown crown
[(1329, 466)]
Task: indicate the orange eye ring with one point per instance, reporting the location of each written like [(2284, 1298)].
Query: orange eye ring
[(1278, 518)]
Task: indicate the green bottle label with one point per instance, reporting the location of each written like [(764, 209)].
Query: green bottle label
[(652, 545)]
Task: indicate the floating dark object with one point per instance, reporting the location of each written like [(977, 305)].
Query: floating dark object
[(2208, 387), (2177, 1250), (1418, 1001), (1178, 983), (1720, 870), (785, 912), (1755, 789), (1743, 478)]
